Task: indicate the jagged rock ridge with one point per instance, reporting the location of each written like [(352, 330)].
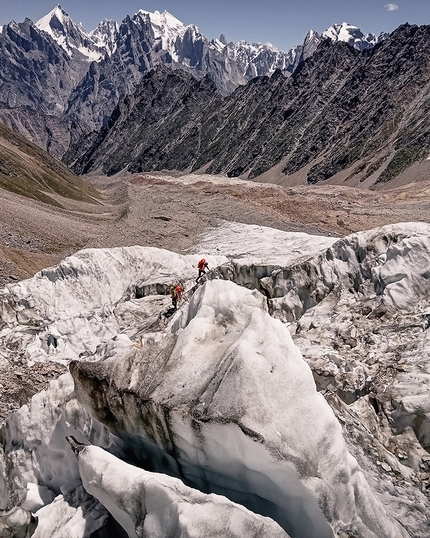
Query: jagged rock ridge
[(362, 119)]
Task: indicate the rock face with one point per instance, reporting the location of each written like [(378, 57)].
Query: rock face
[(37, 79), (160, 122), (217, 396), (362, 120)]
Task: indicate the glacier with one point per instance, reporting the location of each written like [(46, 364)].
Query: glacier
[(288, 394)]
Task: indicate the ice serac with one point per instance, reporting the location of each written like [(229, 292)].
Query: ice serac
[(229, 406), (388, 263), (76, 300), (374, 288), (149, 504)]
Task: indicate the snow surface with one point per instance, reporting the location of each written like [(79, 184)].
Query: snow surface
[(230, 405), (75, 300), (165, 26), (260, 244)]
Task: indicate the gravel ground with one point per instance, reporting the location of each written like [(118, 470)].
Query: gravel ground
[(168, 212), (19, 382)]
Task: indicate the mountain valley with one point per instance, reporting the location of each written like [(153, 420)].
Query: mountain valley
[(64, 107)]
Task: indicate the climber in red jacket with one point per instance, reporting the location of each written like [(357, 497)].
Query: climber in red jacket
[(202, 266)]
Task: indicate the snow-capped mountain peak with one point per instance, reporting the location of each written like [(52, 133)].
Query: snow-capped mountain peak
[(54, 21), (351, 34), (166, 27), (256, 59), (105, 35), (164, 21), (183, 43), (70, 36)]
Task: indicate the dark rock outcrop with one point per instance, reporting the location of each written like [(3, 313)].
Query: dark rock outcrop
[(159, 126)]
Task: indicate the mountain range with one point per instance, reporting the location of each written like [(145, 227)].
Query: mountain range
[(61, 83), (155, 94)]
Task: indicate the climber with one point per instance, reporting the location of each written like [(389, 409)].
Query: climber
[(179, 290), (202, 266), (176, 293), (52, 342)]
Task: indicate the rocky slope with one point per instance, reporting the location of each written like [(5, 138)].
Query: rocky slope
[(344, 115), (27, 170), (161, 121)]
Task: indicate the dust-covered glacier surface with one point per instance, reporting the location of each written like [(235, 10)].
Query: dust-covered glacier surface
[(287, 396)]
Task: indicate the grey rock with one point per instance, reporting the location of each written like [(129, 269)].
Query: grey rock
[(158, 125)]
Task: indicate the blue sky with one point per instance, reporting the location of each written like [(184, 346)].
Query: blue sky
[(282, 22)]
